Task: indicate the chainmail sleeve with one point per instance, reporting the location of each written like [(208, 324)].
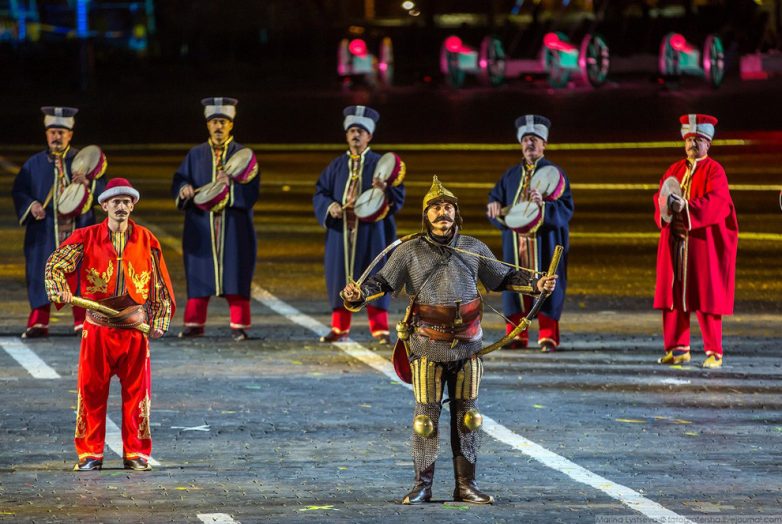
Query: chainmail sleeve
[(491, 272)]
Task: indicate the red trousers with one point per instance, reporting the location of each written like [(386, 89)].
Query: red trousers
[(548, 327), (239, 307), (676, 331), (378, 320), (105, 352), (39, 317)]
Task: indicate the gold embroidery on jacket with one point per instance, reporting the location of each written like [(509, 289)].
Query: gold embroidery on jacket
[(143, 427), (81, 423), (140, 280), (99, 283)]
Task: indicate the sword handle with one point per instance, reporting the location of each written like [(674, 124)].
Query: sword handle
[(105, 310)]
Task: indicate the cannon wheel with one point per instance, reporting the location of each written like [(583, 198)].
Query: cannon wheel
[(594, 59), (713, 60), (491, 61), (669, 58), (449, 66), (386, 64), (343, 58), (557, 75)]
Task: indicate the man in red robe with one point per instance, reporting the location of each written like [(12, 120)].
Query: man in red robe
[(696, 256), (118, 264)]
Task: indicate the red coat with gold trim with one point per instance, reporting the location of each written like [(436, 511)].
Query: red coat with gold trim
[(711, 244), (101, 266)]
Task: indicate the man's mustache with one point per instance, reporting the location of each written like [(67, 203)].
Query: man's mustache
[(443, 218)]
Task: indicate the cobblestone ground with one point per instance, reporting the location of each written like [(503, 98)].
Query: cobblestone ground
[(283, 428)]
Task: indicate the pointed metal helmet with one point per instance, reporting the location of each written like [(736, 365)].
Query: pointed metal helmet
[(435, 193), (438, 192)]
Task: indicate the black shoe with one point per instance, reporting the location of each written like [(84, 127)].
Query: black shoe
[(422, 491), (547, 346), (137, 464), (333, 336), (35, 332), (192, 332), (238, 335), (466, 490), (88, 464), (382, 338)]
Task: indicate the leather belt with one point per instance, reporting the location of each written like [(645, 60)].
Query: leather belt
[(449, 323), (130, 316)]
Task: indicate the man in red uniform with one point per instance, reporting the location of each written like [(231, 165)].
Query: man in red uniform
[(696, 256), (119, 264)]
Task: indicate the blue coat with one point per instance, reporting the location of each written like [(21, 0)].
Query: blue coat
[(371, 238), (32, 183), (554, 230), (206, 273)]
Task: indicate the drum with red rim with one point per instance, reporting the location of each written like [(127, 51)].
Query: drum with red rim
[(89, 162), (72, 200), (212, 197), (242, 166), (549, 182), (523, 217), (390, 169), (371, 205)]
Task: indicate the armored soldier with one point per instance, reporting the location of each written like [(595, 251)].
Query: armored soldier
[(439, 270)]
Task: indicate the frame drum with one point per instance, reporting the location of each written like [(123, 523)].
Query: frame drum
[(523, 217), (549, 181), (72, 200), (390, 169), (669, 187), (90, 162), (371, 205), (242, 166), (212, 197)]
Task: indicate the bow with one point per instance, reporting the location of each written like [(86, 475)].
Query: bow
[(380, 257), (525, 322)]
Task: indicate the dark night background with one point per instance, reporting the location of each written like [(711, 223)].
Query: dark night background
[(279, 58)]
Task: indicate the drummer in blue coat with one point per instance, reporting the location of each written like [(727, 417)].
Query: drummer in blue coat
[(218, 241), (37, 191), (351, 244), (532, 205)]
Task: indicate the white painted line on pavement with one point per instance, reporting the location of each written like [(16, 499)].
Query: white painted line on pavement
[(625, 495), (216, 518), (114, 440), (27, 358)]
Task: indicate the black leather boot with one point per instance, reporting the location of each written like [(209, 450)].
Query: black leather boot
[(422, 491), (466, 490)]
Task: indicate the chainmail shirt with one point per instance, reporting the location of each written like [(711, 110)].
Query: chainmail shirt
[(454, 278)]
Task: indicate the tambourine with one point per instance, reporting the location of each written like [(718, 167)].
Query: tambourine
[(390, 169), (669, 187), (371, 205), (72, 200), (89, 162), (242, 166), (212, 197), (523, 217), (549, 182)]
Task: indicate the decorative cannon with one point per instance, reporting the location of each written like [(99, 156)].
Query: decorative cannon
[(680, 57), (355, 62), (559, 60)]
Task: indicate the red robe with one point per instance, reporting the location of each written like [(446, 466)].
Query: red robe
[(709, 219)]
